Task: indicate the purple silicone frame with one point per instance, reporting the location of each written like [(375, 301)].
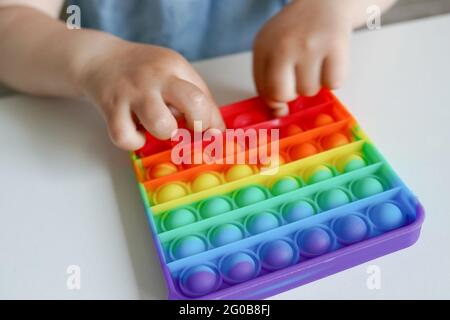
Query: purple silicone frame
[(311, 270)]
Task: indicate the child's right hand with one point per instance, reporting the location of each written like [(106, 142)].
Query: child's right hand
[(134, 83)]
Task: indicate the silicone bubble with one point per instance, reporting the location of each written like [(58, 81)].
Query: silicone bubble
[(350, 163), (261, 222), (178, 218), (290, 130), (367, 187), (170, 192), (333, 198), (317, 174), (334, 140), (350, 229), (248, 118), (205, 181), (298, 210), (302, 151), (314, 242), (224, 234), (250, 195), (215, 206), (188, 246), (199, 280), (277, 254), (239, 267), (238, 171), (387, 216), (273, 162), (284, 185), (162, 170), (323, 119)]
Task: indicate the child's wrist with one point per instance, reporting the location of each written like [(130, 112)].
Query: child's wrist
[(93, 49)]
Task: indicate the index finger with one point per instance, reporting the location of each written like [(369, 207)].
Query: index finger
[(193, 103)]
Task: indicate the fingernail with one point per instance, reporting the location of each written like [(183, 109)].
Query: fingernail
[(281, 112), (278, 105)]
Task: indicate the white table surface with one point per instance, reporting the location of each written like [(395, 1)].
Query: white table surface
[(68, 197)]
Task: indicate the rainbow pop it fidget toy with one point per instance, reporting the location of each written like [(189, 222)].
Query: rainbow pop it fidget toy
[(231, 231)]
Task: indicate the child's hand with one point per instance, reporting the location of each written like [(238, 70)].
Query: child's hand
[(303, 48), (134, 83)]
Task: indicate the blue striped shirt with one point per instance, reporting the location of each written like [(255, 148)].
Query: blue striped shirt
[(197, 29)]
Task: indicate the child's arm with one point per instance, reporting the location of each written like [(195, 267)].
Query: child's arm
[(128, 82), (306, 47)]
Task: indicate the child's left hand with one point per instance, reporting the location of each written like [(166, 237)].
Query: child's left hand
[(301, 49)]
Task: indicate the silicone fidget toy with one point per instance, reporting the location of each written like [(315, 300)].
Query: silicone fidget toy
[(225, 231)]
